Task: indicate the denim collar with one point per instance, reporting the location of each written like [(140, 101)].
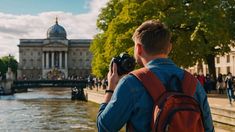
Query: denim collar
[(160, 62)]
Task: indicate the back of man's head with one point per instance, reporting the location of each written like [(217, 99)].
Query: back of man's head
[(154, 36)]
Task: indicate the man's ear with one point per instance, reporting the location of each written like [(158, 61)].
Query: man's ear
[(169, 48), (139, 48)]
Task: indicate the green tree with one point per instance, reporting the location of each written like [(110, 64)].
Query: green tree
[(8, 61), (2, 67), (200, 29), (99, 62)]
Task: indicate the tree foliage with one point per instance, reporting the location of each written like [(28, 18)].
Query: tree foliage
[(201, 29), (8, 61)]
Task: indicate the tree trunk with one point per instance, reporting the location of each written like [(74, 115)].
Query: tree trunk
[(211, 65), (210, 58)]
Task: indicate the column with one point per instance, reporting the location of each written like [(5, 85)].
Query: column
[(66, 60), (52, 60), (60, 60), (47, 60), (43, 66)]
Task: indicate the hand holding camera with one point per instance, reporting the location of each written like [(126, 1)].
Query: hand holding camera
[(125, 63), (119, 66)]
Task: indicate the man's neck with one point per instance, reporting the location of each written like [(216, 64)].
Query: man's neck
[(150, 58)]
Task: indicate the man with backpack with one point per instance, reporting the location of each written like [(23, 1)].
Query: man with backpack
[(158, 97)]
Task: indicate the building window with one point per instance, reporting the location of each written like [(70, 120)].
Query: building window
[(228, 69), (218, 60), (228, 58)]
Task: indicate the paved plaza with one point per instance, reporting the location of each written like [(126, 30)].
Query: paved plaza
[(218, 100)]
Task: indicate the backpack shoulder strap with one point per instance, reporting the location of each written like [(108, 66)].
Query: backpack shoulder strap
[(150, 81), (189, 84)]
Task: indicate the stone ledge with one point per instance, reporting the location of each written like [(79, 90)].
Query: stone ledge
[(223, 112)]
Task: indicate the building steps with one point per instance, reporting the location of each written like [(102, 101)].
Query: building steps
[(223, 115)]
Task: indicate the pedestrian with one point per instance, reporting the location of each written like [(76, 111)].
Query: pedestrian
[(103, 83), (229, 85), (99, 83), (127, 101), (201, 78), (220, 83), (208, 83), (89, 80)]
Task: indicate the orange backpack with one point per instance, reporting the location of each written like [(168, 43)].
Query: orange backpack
[(172, 111)]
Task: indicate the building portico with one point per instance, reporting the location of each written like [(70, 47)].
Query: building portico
[(55, 56)]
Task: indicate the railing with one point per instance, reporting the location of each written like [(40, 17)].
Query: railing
[(48, 83)]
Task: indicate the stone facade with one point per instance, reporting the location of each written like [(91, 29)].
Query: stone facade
[(55, 57)]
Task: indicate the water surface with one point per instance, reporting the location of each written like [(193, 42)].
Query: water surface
[(47, 109)]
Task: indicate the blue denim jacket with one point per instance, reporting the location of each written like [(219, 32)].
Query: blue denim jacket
[(131, 102)]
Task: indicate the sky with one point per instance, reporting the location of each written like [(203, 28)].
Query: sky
[(30, 19)]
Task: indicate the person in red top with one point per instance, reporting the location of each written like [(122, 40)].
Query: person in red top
[(201, 78)]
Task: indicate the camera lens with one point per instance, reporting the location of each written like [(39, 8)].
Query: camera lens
[(125, 63)]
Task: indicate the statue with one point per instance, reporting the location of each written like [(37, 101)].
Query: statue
[(9, 74)]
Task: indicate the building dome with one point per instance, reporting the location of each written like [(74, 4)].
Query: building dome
[(56, 32)]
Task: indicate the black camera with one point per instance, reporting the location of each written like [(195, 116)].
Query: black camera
[(125, 63)]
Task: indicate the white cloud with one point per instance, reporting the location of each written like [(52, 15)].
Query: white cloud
[(15, 27)]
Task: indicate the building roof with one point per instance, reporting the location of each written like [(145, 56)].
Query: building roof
[(56, 32)]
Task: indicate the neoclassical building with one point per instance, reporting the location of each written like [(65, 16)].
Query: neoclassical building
[(55, 56), (223, 64)]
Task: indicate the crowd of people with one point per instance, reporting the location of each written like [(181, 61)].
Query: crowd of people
[(97, 83), (223, 84), (206, 81)]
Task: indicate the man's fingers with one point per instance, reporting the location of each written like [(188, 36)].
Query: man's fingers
[(114, 69), (110, 67)]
